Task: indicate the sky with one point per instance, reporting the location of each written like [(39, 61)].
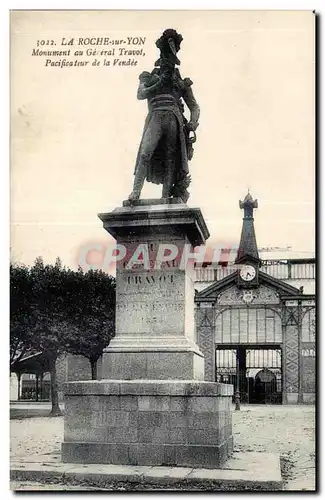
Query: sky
[(75, 131)]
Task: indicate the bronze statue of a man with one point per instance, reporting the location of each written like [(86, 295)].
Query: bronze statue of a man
[(166, 144)]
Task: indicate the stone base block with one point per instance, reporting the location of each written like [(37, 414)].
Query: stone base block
[(291, 398), (208, 456), (143, 365), (140, 422), (309, 398)]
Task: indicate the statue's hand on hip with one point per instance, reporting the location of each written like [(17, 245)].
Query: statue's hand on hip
[(192, 126)]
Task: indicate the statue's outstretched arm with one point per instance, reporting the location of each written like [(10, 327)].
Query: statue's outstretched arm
[(193, 106)]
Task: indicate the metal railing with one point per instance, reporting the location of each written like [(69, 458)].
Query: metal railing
[(280, 270)]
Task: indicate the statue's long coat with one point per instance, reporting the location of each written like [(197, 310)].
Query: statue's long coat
[(155, 172)]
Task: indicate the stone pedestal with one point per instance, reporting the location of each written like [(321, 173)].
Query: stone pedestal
[(139, 422), (155, 335), (151, 406)]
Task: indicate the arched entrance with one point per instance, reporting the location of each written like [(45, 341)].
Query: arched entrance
[(265, 386)]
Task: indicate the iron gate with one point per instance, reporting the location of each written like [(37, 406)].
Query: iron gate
[(259, 373)]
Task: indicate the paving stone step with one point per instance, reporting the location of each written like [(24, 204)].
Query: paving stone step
[(244, 471)]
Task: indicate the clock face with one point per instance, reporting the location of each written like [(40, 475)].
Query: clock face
[(247, 273)]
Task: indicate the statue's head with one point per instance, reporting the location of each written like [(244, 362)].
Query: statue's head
[(169, 44)]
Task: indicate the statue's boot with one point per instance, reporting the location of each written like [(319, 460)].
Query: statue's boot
[(168, 183), (139, 179)]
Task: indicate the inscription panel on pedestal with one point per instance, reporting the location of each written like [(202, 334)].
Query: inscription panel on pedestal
[(150, 302)]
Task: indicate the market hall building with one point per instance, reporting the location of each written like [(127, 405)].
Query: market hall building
[(257, 331)]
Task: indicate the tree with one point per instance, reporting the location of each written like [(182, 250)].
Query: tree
[(93, 316), (56, 310), (22, 319), (50, 332)]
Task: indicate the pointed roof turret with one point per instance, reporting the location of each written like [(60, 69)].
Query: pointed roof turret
[(247, 247)]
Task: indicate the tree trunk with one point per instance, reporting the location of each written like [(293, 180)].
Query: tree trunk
[(19, 385), (93, 364), (37, 388), (41, 386), (55, 412)]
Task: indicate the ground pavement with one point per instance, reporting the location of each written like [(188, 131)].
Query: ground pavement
[(286, 430)]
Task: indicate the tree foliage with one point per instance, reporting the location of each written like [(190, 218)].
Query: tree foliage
[(94, 316), (57, 310), (22, 319)]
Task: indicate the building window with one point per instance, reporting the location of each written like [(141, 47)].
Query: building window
[(248, 325), (309, 326)]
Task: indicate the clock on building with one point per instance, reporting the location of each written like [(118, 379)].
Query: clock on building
[(247, 272), (248, 275)]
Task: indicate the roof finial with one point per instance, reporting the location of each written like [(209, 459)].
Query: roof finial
[(248, 247), (248, 201)]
